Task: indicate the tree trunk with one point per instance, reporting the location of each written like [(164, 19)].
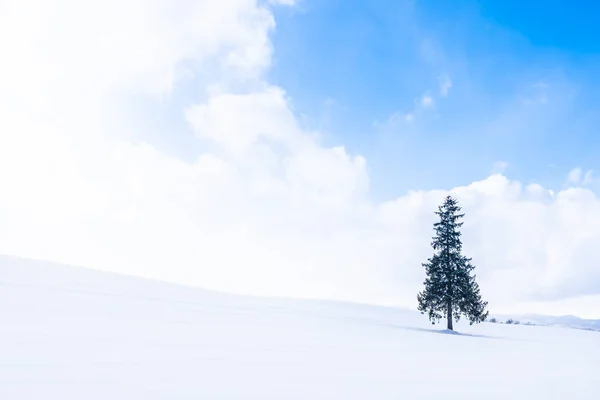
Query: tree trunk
[(449, 316)]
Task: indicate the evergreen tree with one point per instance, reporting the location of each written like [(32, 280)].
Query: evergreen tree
[(450, 287)]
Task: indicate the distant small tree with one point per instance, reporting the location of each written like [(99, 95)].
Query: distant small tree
[(450, 287), (493, 320)]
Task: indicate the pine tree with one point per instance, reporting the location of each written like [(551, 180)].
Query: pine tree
[(450, 287)]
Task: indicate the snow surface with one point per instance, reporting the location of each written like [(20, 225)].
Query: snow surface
[(69, 333)]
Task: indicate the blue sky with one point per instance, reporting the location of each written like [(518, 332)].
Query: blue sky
[(524, 86)]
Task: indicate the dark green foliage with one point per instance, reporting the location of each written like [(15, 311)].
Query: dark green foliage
[(450, 287)]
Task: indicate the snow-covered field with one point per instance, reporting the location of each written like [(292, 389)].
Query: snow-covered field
[(68, 333)]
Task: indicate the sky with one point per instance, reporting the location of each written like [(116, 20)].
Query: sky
[(300, 148)]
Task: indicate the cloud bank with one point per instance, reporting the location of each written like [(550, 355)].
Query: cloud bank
[(263, 207)]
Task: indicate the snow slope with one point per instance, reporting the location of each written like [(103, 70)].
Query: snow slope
[(69, 333)]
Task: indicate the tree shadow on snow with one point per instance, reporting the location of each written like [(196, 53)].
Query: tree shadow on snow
[(448, 332), (429, 330)]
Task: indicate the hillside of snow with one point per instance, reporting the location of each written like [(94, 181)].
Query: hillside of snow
[(69, 333)]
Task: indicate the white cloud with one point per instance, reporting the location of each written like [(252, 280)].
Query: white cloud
[(574, 175), (264, 207), (445, 85), (427, 101), (422, 105), (578, 177), (284, 2), (589, 177), (394, 119)]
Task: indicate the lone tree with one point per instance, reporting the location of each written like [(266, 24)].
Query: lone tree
[(450, 287)]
